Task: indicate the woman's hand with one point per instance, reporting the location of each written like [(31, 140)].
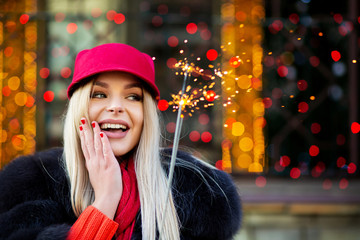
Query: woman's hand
[(103, 167)]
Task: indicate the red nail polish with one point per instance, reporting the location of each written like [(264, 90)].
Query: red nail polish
[(101, 135), (81, 128), (93, 125), (83, 121)]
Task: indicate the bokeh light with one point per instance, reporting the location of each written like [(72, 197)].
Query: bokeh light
[(71, 28)]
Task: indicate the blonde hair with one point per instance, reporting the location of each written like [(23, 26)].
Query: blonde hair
[(151, 178)]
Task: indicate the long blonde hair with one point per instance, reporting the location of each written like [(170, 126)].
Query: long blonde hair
[(151, 178)]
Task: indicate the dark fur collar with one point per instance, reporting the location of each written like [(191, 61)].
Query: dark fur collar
[(34, 199)]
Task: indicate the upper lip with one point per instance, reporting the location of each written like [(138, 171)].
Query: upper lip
[(114, 121)]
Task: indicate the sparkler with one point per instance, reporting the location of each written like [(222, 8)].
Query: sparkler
[(181, 101), (179, 122)]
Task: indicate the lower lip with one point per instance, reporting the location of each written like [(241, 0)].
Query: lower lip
[(116, 134)]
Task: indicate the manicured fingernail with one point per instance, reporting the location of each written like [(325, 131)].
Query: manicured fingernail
[(101, 135), (83, 121), (93, 124), (81, 128)]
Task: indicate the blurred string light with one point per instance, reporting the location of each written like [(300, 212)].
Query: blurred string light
[(241, 54), (18, 73)]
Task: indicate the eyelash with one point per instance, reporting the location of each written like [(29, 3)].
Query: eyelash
[(95, 94), (134, 97)]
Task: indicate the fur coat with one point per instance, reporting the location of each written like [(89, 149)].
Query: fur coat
[(35, 204)]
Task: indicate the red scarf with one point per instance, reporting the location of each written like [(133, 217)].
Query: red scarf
[(130, 202)]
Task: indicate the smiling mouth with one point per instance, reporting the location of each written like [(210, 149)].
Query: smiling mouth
[(113, 127)]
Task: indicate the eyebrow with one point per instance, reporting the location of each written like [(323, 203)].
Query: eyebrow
[(128, 86)]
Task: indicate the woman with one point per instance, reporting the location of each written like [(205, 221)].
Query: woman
[(110, 180)]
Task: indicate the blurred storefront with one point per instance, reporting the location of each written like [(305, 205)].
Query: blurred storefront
[(273, 95)]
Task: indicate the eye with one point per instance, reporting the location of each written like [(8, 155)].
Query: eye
[(98, 95), (134, 97)]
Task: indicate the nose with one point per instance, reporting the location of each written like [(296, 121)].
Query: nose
[(115, 106)]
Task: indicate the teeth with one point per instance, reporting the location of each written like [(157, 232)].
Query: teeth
[(112, 126)]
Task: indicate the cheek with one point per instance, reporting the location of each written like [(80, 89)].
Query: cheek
[(93, 111)]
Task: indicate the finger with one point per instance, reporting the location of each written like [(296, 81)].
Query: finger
[(82, 141), (97, 141), (106, 148), (88, 137)]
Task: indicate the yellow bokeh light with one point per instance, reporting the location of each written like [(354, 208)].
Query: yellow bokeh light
[(246, 144), (244, 160), (237, 129), (255, 167), (3, 136), (20, 99), (18, 142), (258, 107), (14, 83), (244, 82)]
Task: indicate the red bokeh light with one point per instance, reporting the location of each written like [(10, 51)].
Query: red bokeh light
[(191, 28), (235, 62), (24, 18), (284, 161), (295, 173), (157, 21), (163, 9), (211, 54), (30, 101), (256, 83), (14, 124), (278, 167), (6, 91), (267, 102), (314, 150), (65, 72), (170, 127), (314, 61), (59, 17), (335, 55), (71, 28), (206, 137), (282, 71), (204, 119), (229, 122), (340, 162), (119, 18), (226, 144), (240, 16), (344, 183), (327, 184), (340, 139), (303, 107), (173, 41), (294, 18), (44, 72), (315, 128), (302, 85), (110, 15), (260, 181), (163, 105), (338, 18), (210, 95), (355, 127), (171, 62), (49, 96), (194, 136), (219, 165), (351, 168), (205, 34), (8, 51)]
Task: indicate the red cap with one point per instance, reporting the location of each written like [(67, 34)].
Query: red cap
[(113, 57)]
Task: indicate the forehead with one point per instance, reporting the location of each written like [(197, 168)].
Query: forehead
[(117, 79)]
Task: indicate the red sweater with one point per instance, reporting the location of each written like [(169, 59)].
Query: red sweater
[(93, 224)]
